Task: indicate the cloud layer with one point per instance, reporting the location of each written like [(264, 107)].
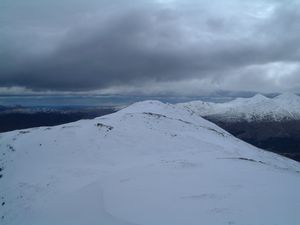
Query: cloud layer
[(182, 47)]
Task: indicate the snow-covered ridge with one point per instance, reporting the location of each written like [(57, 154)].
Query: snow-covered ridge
[(148, 164), (257, 108)]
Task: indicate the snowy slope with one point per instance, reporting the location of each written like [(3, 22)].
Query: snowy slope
[(148, 164), (290, 102), (258, 108)]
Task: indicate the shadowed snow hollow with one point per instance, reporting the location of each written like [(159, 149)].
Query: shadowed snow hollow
[(148, 164)]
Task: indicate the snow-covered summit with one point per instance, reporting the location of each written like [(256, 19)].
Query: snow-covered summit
[(257, 108), (148, 164), (288, 96), (289, 101), (256, 98)]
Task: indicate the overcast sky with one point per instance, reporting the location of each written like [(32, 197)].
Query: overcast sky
[(180, 47)]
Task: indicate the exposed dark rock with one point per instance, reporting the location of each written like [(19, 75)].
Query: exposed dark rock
[(24, 132), (11, 148), (155, 115), (101, 125)]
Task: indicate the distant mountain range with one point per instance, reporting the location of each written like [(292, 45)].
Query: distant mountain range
[(258, 108)]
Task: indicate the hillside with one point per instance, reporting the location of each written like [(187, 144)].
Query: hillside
[(148, 164)]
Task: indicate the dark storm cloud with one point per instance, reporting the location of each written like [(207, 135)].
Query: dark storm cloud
[(133, 44)]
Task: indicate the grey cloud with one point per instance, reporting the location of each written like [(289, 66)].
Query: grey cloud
[(137, 43)]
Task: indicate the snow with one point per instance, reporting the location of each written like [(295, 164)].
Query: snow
[(289, 101), (257, 108), (148, 164)]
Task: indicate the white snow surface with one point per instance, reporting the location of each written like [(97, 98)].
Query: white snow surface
[(148, 164), (258, 108)]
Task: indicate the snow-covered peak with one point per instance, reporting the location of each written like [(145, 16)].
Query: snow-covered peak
[(258, 97), (148, 164), (148, 105), (258, 107), (167, 110), (199, 107), (290, 102), (288, 96), (288, 99)]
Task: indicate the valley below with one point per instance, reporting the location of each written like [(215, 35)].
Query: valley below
[(282, 137)]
